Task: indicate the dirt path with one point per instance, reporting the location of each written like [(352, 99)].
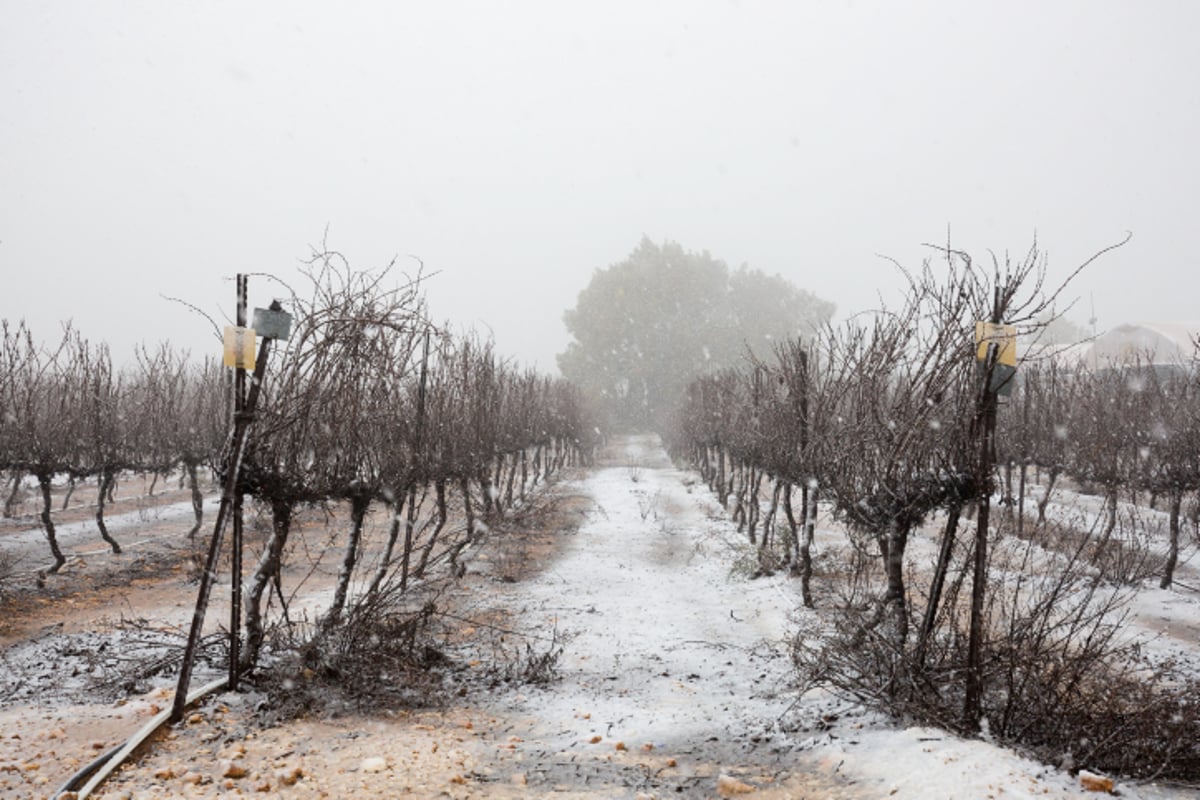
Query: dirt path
[(674, 670)]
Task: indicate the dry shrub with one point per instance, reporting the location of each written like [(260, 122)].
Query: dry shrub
[(413, 645), (506, 656), (383, 653), (539, 666), (137, 650), (1062, 680), (396, 650)]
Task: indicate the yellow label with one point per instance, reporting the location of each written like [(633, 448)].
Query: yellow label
[(1005, 337), (239, 347)]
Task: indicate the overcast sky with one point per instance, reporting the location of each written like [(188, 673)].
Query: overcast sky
[(157, 148)]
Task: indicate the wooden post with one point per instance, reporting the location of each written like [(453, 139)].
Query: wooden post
[(984, 429)]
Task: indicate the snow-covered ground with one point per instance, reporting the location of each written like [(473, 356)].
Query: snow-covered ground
[(75, 534), (676, 669), (675, 679)]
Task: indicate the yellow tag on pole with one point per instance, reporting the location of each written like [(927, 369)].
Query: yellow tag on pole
[(1005, 337), (239, 347)]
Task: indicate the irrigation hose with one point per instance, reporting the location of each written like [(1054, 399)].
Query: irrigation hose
[(103, 766), (83, 774)]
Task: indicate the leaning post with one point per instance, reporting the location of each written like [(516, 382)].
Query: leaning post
[(996, 364), (238, 353)]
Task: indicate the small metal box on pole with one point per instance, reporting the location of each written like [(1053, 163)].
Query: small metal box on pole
[(273, 322)]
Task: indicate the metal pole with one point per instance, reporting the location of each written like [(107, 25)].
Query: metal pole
[(235, 579), (241, 427)]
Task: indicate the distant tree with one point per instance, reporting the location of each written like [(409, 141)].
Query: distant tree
[(644, 328)]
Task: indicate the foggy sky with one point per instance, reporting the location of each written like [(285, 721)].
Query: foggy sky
[(157, 148)]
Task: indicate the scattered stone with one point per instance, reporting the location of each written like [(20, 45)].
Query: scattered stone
[(728, 786), (289, 777), (194, 778), (231, 769), (595, 739), (164, 773), (672, 762), (620, 746), (1095, 783)]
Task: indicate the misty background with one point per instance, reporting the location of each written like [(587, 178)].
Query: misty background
[(158, 148)]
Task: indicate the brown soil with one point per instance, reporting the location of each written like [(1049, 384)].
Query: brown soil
[(459, 752)]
